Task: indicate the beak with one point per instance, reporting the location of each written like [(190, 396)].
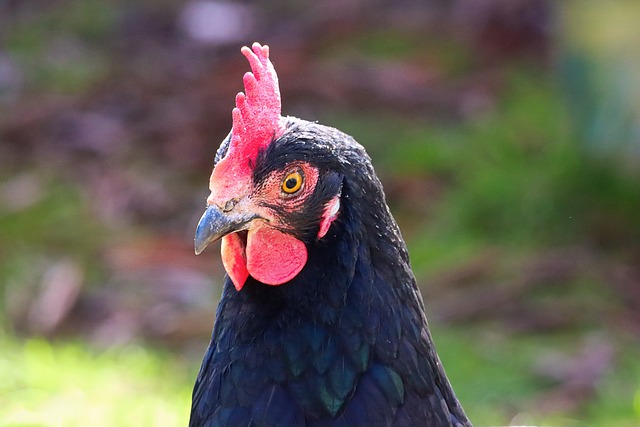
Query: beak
[(216, 224)]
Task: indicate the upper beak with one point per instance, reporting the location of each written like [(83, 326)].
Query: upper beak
[(216, 224)]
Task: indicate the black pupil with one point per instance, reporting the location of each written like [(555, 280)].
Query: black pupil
[(291, 183)]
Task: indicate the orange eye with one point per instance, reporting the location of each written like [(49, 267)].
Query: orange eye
[(292, 183)]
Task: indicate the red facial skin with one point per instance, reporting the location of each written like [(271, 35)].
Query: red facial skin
[(267, 252)]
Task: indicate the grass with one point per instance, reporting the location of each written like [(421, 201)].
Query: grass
[(495, 379), (68, 384), (45, 384)]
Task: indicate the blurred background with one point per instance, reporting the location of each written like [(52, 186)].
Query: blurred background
[(506, 133)]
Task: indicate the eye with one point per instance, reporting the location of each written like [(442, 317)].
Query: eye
[(292, 182)]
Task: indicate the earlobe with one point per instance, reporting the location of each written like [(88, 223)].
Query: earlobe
[(329, 215)]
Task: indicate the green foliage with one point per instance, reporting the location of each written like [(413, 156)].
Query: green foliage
[(54, 225), (438, 52), (60, 219), (58, 49), (514, 177)]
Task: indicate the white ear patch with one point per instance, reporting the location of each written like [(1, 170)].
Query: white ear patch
[(329, 215)]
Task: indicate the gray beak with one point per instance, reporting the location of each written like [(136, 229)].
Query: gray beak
[(216, 224)]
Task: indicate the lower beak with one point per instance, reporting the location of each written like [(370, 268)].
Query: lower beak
[(216, 224)]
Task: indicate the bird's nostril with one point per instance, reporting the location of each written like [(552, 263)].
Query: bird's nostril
[(230, 205)]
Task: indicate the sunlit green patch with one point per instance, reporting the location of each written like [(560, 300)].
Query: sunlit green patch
[(43, 384)]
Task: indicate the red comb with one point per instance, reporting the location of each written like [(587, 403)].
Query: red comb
[(256, 122), (256, 118)]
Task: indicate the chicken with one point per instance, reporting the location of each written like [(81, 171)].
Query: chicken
[(320, 322)]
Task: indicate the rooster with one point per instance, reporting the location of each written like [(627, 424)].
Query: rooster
[(320, 322)]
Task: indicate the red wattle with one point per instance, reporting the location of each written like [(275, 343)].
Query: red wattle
[(234, 259), (274, 257)]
